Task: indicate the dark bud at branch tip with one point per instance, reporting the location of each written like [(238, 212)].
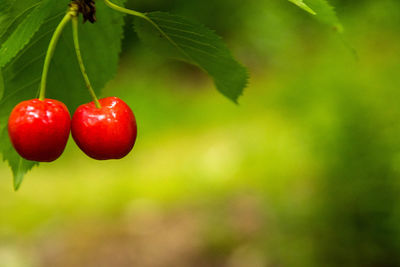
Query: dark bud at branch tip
[(87, 8)]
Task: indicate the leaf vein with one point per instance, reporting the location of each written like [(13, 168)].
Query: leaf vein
[(17, 17), (199, 50), (20, 89), (170, 21), (23, 51), (194, 41), (41, 56)]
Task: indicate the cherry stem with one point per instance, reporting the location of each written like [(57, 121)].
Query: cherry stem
[(80, 61), (50, 51)]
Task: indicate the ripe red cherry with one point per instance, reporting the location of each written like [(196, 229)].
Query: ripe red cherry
[(39, 130), (104, 133)]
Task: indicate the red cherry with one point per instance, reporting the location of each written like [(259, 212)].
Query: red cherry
[(39, 130), (104, 133)]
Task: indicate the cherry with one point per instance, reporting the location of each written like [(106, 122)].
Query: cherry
[(39, 130), (108, 132)]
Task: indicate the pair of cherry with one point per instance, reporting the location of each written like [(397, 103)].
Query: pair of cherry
[(39, 129)]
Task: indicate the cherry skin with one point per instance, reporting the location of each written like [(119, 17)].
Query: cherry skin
[(104, 133), (39, 130)]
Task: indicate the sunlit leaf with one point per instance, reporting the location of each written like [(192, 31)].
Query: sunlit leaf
[(303, 6), (25, 30), (12, 13)]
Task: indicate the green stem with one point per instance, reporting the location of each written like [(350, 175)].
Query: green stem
[(126, 11), (145, 17), (50, 52), (80, 61)]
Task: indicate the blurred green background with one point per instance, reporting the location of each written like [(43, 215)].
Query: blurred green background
[(304, 172)]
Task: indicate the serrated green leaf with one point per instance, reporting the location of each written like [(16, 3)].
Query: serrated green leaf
[(18, 165), (20, 170), (323, 10), (326, 13), (303, 6), (179, 38), (12, 12), (4, 15), (100, 46), (24, 32)]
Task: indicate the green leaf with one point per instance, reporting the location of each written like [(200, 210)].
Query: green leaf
[(323, 10), (303, 6), (18, 165), (24, 32), (5, 16), (19, 172), (100, 47), (1, 85), (326, 13), (181, 39), (12, 12)]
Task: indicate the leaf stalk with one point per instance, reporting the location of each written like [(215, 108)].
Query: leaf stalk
[(145, 17)]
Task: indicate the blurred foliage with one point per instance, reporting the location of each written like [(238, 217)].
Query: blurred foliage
[(304, 172)]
